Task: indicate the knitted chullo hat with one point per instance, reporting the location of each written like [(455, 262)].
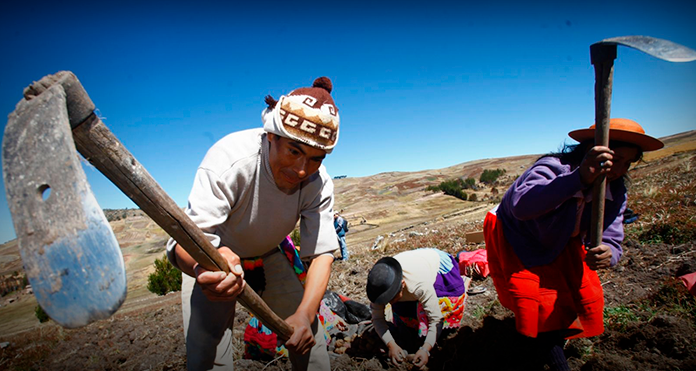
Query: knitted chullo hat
[(307, 115)]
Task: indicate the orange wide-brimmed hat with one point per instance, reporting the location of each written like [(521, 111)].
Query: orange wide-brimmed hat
[(623, 130)]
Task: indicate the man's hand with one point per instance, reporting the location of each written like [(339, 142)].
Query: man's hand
[(220, 286), (421, 358), (302, 339), (396, 354), (599, 257), (597, 161)]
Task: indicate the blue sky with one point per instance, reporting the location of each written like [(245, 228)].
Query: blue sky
[(419, 85)]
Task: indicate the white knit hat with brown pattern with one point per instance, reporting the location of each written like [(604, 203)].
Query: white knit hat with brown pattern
[(307, 115)]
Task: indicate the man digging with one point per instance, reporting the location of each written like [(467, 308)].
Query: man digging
[(248, 194)]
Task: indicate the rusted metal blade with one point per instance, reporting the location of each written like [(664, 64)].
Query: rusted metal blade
[(70, 254), (658, 48)]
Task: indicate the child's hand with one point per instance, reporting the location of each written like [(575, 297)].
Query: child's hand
[(396, 354), (421, 358)]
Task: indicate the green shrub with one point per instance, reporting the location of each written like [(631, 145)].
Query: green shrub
[(473, 197), (40, 314), (670, 233), (165, 279), (490, 176), (469, 183), (453, 188), (460, 195)]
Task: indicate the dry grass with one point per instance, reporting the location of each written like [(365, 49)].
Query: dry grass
[(666, 201)]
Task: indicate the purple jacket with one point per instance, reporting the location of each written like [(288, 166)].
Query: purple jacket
[(539, 212)]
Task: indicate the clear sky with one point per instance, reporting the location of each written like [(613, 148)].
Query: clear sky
[(419, 85)]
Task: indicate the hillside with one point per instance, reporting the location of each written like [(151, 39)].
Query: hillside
[(390, 202), (146, 332)]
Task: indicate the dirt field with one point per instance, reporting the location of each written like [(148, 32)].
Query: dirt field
[(650, 317)]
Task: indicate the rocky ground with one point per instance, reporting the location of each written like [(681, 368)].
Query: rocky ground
[(650, 317)]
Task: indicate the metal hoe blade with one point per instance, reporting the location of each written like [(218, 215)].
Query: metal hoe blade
[(658, 48), (70, 254), (28, 147)]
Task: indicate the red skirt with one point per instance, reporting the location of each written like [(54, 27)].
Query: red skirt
[(564, 295)]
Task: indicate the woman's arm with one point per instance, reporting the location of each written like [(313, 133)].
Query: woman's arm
[(542, 188)]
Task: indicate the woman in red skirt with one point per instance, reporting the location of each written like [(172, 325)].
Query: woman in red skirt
[(537, 238)]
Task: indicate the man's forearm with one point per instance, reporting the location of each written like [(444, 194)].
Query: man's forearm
[(184, 260), (315, 286)]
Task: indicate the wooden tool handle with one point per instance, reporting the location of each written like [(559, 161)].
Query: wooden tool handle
[(102, 149), (602, 57)]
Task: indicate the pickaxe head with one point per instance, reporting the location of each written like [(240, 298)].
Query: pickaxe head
[(658, 48), (602, 55)]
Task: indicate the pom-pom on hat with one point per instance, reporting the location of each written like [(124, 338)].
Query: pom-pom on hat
[(384, 280), (622, 130), (307, 115)]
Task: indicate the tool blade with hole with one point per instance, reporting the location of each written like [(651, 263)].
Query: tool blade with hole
[(70, 255)]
